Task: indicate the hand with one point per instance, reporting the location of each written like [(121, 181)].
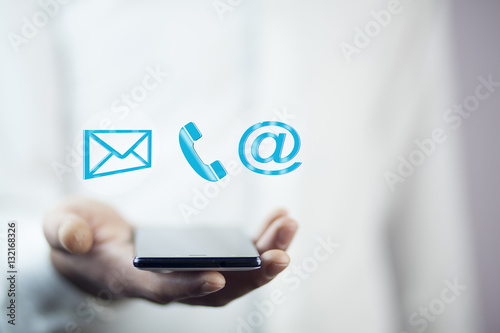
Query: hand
[(92, 246)]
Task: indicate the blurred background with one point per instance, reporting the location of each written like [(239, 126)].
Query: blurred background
[(366, 84)]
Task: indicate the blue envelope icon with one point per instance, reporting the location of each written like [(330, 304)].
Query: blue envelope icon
[(109, 152)]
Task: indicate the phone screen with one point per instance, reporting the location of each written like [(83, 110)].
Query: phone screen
[(194, 249)]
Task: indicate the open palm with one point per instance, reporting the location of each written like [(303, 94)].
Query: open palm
[(92, 246)]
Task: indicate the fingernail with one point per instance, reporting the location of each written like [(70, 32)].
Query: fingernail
[(208, 288)]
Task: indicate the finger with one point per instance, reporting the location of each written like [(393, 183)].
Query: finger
[(273, 263), (274, 216), (67, 232), (165, 288), (122, 279), (278, 236), (241, 283)]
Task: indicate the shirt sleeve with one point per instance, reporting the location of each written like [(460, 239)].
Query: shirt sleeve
[(44, 300)]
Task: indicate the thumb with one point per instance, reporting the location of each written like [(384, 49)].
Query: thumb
[(68, 232)]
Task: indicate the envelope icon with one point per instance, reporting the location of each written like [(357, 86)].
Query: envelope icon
[(109, 152)]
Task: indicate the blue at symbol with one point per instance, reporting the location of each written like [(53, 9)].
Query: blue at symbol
[(276, 156)]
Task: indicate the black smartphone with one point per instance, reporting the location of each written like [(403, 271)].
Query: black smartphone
[(195, 249)]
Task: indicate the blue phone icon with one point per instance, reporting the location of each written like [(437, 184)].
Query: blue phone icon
[(187, 136)]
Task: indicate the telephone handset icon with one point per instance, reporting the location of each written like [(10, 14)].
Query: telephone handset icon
[(187, 136)]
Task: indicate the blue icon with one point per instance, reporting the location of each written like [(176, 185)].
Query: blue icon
[(115, 151), (187, 136), (276, 156)]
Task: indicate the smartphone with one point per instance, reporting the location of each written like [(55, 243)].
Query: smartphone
[(195, 249)]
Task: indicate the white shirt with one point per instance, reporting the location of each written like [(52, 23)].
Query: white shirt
[(264, 61)]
